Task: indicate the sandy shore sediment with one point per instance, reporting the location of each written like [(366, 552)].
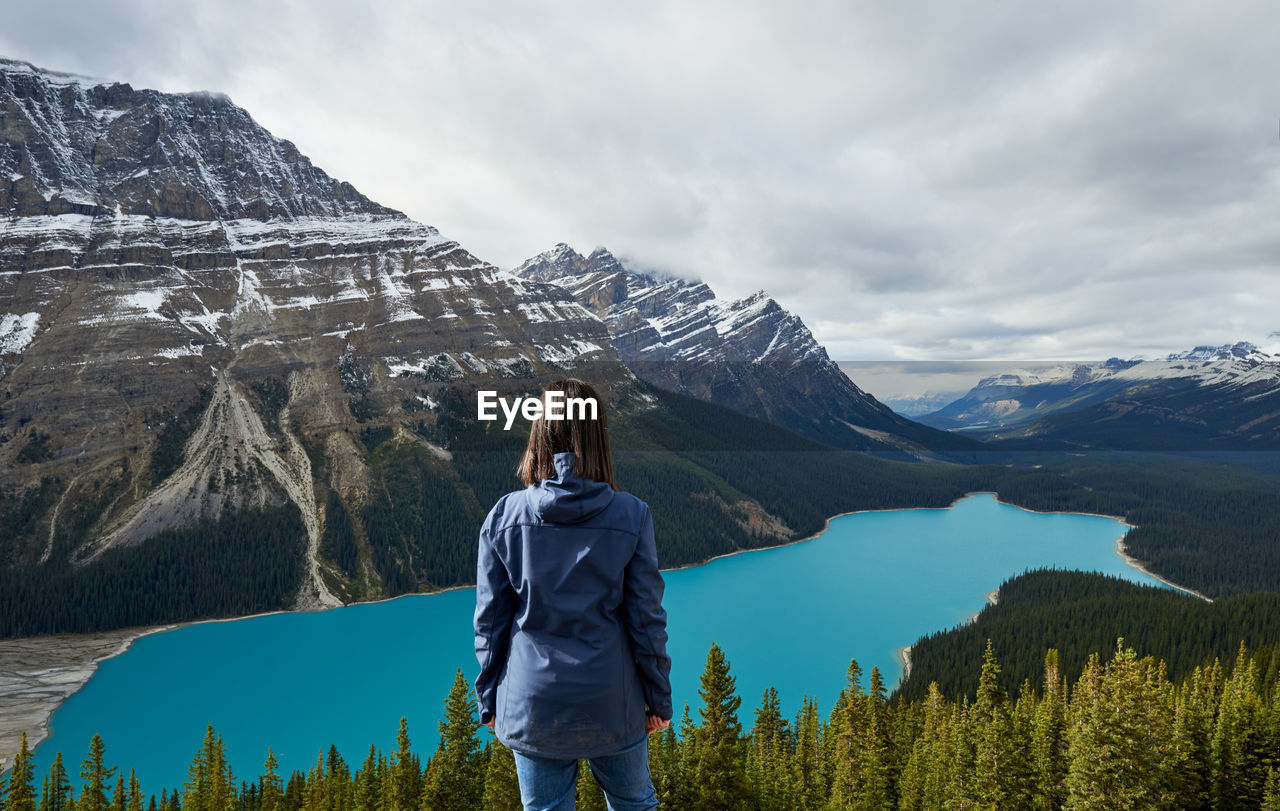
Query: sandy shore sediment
[(38, 673)]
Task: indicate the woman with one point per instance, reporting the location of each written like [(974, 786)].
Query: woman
[(570, 630)]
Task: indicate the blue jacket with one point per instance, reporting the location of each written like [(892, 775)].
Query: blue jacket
[(570, 630)]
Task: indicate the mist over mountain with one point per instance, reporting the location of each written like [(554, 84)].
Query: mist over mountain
[(748, 354)]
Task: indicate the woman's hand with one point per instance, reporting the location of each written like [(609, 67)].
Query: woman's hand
[(653, 723), (491, 722)]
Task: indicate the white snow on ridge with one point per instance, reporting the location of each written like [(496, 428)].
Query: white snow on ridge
[(51, 76), (247, 235), (570, 351), (1207, 366), (72, 231), (538, 312), (442, 364), (180, 351), (17, 332)]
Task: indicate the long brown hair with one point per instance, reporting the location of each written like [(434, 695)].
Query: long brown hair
[(588, 439)]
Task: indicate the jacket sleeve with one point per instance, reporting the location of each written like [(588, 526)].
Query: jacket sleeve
[(495, 611), (647, 622)]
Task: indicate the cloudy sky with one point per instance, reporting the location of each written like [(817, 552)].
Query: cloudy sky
[(941, 181)]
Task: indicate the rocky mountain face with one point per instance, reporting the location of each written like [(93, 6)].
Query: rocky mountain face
[(195, 320), (1207, 398), (750, 355)]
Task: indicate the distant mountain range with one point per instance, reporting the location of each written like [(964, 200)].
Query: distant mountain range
[(1208, 398), (916, 406)]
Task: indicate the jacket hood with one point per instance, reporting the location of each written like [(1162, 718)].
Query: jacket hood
[(568, 498)]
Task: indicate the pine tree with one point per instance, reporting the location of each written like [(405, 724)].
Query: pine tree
[(1001, 766), (1271, 791), (769, 757), (684, 792), (720, 774), (847, 730), (456, 778), (925, 775), (56, 794), (501, 786), (96, 776), (366, 793), (806, 765), (135, 792), (1049, 738), (589, 797), (664, 765), (877, 774), (1237, 779), (295, 791), (270, 794), (21, 788), (405, 776), (316, 788), (1196, 706), (337, 782), (1120, 725), (210, 784), (118, 799)]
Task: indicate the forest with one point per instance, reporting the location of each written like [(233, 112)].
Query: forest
[(1122, 735), (1082, 613), (244, 563)]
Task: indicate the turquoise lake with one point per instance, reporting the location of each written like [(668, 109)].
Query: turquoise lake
[(790, 617)]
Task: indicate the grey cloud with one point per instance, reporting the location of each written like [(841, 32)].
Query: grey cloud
[(915, 180)]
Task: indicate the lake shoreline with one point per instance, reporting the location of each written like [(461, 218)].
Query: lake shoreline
[(28, 702), (38, 674)]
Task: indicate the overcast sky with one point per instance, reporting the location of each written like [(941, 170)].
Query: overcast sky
[(938, 181)]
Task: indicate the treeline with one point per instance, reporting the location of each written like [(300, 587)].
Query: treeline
[(1122, 736), (244, 563), (1081, 614), (1207, 525)]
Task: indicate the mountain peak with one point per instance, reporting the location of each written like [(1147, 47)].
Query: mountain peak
[(76, 145), (749, 354), (1241, 350), (553, 264), (602, 261), (19, 66)]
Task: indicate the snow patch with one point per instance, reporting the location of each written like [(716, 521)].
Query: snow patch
[(17, 332)]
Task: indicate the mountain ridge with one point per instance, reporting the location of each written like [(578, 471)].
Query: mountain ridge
[(749, 354), (1205, 398)]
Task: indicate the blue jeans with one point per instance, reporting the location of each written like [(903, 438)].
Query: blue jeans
[(549, 784)]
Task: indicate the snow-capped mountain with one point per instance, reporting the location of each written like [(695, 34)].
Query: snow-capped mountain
[(163, 254), (1207, 397), (749, 354)]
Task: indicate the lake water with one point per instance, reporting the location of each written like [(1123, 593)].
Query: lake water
[(790, 617)]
